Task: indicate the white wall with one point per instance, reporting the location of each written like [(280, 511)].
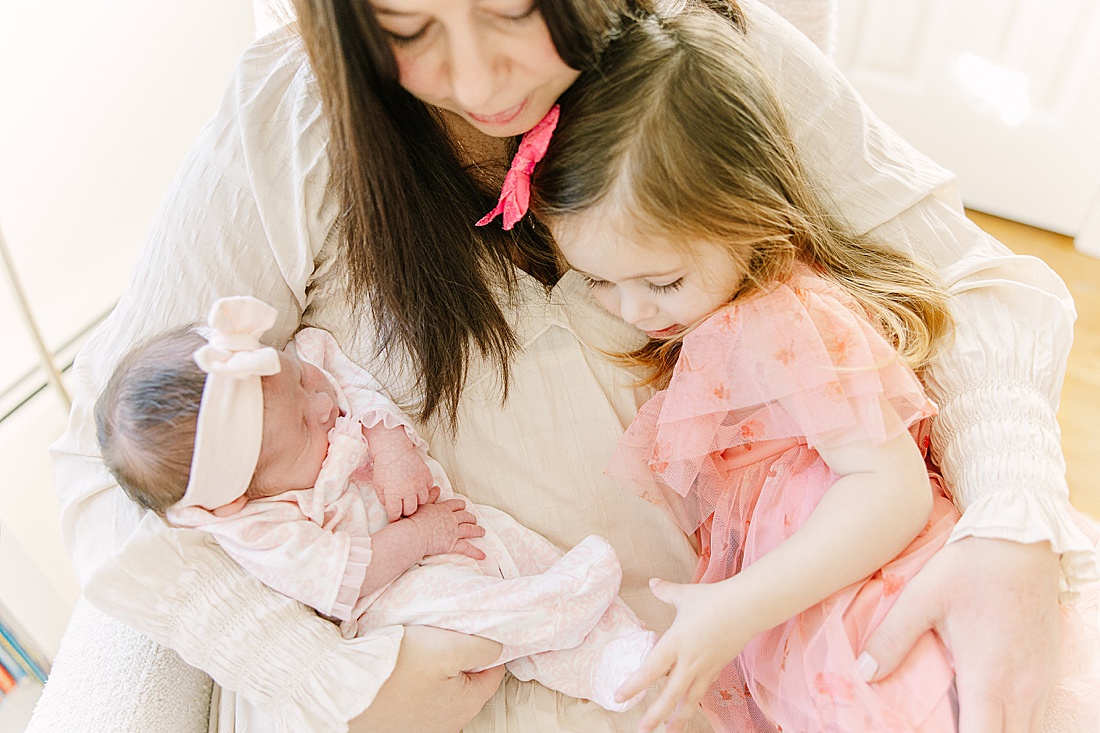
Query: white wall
[(99, 101)]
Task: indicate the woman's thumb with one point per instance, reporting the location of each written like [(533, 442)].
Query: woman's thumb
[(889, 644)]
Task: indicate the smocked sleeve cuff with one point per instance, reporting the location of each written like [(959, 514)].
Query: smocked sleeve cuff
[(178, 588), (351, 585), (1000, 452)]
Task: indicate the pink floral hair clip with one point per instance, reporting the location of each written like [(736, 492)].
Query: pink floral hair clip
[(515, 194)]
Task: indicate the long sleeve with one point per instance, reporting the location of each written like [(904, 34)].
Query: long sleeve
[(248, 214), (322, 566), (179, 590), (998, 381)]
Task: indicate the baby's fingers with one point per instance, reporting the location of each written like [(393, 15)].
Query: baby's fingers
[(393, 506), (409, 505), (462, 547)]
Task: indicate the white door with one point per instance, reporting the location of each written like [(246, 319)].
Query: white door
[(1006, 93)]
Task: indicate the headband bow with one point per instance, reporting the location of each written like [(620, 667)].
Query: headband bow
[(230, 424), (515, 194)]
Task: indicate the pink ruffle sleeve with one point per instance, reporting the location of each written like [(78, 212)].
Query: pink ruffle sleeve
[(797, 362)]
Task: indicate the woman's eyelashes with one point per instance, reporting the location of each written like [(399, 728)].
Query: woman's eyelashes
[(506, 16)]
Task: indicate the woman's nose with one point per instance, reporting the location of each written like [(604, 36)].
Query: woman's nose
[(474, 68)]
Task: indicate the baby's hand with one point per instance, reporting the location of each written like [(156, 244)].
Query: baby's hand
[(446, 526), (706, 636), (401, 478)]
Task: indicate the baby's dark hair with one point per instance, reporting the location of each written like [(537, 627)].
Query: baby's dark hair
[(145, 419)]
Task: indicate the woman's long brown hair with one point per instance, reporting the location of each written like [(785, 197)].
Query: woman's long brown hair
[(432, 283), (679, 128)]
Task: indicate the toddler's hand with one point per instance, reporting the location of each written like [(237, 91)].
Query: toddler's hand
[(401, 478), (446, 526), (704, 638)]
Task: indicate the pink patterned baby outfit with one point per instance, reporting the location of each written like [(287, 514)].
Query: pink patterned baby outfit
[(557, 616), (729, 450)]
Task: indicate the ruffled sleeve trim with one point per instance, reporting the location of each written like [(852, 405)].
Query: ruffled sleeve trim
[(386, 413), (798, 362), (355, 570), (1027, 518)]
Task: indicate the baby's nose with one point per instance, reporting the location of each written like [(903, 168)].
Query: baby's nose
[(322, 406)]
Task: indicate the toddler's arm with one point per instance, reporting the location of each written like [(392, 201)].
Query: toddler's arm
[(401, 478), (880, 503)]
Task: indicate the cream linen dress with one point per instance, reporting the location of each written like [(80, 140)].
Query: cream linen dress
[(250, 214)]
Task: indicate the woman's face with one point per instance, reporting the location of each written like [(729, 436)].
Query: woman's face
[(489, 61)]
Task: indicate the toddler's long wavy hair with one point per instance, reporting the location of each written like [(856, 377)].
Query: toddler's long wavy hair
[(679, 130)]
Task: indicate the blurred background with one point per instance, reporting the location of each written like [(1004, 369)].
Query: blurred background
[(101, 101)]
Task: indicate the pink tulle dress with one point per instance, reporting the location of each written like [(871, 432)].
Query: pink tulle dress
[(729, 450)]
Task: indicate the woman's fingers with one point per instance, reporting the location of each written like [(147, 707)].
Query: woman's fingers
[(428, 690), (979, 715), (916, 610)]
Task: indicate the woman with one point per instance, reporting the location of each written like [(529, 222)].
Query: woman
[(421, 100)]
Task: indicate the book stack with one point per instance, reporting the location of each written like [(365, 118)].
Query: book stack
[(19, 663)]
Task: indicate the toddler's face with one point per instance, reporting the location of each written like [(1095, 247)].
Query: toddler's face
[(299, 410), (657, 286)]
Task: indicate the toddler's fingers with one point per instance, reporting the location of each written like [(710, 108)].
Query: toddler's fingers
[(462, 547), (666, 591), (433, 495), (409, 505), (685, 710), (655, 666), (665, 705)]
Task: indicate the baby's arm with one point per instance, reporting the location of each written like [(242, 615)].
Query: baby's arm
[(874, 510), (401, 478), (436, 528)]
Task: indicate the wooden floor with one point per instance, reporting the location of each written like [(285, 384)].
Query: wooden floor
[(1079, 411)]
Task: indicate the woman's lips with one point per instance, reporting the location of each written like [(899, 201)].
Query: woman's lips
[(500, 118)]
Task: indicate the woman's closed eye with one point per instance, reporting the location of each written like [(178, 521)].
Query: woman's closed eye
[(407, 39)]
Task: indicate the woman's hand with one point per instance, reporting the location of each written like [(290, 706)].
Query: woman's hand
[(428, 691), (707, 634), (995, 605)]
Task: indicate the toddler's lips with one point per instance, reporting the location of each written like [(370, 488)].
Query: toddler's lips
[(665, 333)]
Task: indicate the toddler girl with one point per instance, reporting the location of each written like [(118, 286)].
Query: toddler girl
[(792, 432), (302, 469)]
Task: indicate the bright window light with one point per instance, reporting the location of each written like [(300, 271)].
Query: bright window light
[(999, 87)]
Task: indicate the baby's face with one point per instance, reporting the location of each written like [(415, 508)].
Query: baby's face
[(299, 410), (657, 286)]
